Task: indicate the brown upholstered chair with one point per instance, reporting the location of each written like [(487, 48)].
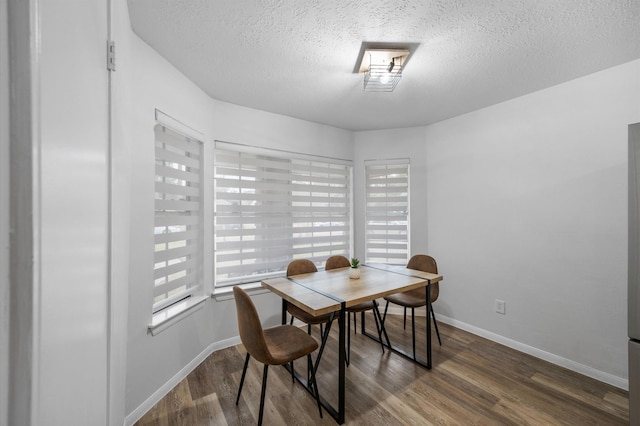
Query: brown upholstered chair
[(417, 298), (305, 266), (299, 267), (272, 346), (335, 262)]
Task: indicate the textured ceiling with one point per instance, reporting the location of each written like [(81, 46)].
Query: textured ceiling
[(297, 57)]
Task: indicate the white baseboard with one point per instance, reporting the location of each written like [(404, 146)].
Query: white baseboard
[(147, 405), (585, 370), (616, 381)]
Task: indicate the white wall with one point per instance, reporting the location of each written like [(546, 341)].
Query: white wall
[(390, 144), (120, 177), (528, 204), (526, 201), (145, 81)]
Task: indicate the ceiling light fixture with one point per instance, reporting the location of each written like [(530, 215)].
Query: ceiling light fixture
[(382, 67)]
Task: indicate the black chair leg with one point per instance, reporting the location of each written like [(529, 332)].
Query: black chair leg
[(378, 319), (264, 390), (384, 330), (291, 322), (244, 372), (413, 332), (404, 324), (293, 376), (435, 324)]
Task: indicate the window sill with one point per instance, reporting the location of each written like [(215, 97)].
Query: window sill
[(226, 293), (174, 314)]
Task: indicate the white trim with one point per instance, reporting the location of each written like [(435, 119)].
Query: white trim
[(222, 294), (4, 215), (390, 161), (24, 32), (602, 376), (172, 315), (148, 404), (119, 176), (619, 382), (178, 126), (280, 153)]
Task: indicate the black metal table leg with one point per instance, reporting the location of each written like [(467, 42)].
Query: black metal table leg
[(428, 296), (341, 363), (339, 414), (284, 311), (402, 352)]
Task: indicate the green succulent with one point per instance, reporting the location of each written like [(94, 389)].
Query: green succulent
[(354, 262)]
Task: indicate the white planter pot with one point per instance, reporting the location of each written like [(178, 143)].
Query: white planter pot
[(354, 273)]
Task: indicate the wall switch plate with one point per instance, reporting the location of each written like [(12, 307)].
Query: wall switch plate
[(500, 306)]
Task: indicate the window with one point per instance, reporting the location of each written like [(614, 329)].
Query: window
[(387, 211), (178, 218), (274, 206)]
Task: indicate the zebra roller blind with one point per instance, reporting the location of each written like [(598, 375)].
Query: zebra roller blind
[(178, 195), (272, 207), (387, 211)]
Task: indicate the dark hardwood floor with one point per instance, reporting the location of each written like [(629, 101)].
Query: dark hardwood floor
[(473, 381)]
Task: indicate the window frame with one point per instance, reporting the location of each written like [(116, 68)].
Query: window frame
[(166, 312), (397, 258), (287, 161)]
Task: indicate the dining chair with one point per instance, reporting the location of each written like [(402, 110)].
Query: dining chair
[(299, 267), (417, 298), (278, 345), (305, 266), (335, 262)]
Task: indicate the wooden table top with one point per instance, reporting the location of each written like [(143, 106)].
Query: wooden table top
[(306, 299), (321, 292)]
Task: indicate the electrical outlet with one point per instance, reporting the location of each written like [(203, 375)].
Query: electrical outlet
[(500, 306)]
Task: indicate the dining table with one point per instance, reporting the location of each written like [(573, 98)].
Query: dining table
[(332, 292)]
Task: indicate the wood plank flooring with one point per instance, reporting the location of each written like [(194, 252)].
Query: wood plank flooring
[(473, 382)]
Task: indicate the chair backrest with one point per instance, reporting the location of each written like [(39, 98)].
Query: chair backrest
[(301, 266), (425, 263), (250, 328), (335, 262)]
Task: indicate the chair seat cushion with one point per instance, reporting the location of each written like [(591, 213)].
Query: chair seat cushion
[(287, 343), (306, 317), (410, 299), (361, 307)]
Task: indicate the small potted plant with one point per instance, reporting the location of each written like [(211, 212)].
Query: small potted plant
[(354, 273)]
